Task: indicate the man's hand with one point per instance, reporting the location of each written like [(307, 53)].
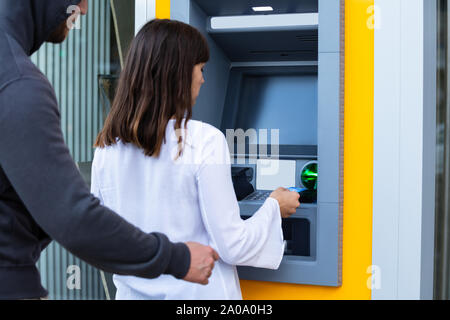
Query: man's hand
[(288, 200), (202, 263)]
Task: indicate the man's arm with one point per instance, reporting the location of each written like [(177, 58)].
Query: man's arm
[(38, 164)]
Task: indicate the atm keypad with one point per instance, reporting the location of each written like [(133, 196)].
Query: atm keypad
[(258, 196)]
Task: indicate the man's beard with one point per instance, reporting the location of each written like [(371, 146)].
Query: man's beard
[(59, 34)]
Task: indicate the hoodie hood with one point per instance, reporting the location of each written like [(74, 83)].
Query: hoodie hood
[(31, 22)]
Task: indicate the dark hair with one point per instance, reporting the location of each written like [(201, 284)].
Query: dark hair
[(155, 86)]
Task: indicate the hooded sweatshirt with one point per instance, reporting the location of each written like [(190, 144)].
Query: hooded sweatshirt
[(42, 194)]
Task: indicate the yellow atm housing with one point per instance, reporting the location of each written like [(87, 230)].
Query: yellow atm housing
[(280, 74)]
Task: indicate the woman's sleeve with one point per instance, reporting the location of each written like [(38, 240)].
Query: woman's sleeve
[(257, 241), (95, 183)]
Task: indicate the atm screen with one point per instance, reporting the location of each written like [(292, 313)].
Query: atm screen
[(284, 102)]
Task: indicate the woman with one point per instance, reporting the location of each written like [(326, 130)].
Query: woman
[(164, 172)]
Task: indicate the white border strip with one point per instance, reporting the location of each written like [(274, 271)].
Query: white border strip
[(145, 11), (398, 234), (386, 178)]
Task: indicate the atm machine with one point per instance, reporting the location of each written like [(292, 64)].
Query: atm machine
[(277, 77)]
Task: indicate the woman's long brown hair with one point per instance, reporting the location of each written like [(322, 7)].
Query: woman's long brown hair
[(155, 86)]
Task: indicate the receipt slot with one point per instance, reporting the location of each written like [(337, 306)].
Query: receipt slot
[(274, 86)]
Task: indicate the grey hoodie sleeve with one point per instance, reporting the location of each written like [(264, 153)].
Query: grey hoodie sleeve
[(38, 164)]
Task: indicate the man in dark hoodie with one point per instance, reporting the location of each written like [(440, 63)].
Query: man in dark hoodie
[(42, 194)]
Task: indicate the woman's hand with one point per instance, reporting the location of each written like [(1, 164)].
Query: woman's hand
[(288, 201)]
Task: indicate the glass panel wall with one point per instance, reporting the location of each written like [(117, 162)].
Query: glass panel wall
[(442, 229)]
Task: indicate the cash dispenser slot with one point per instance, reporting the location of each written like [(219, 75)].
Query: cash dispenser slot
[(297, 237), (296, 233)]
